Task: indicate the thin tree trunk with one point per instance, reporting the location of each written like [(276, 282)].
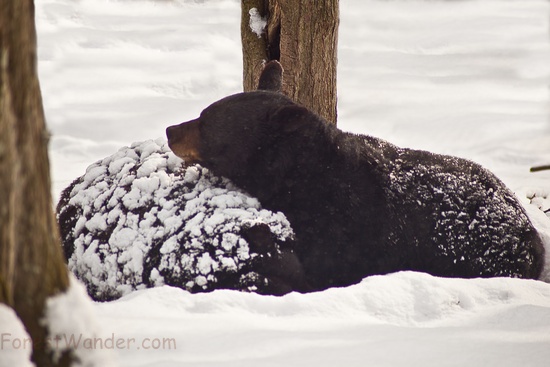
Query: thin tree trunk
[(302, 35), (31, 264), (540, 168)]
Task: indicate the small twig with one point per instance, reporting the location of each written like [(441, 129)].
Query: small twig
[(540, 168)]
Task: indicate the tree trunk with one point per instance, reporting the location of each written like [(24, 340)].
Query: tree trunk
[(31, 264), (302, 35)]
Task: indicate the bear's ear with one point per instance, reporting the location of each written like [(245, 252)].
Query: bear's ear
[(290, 118), (271, 78)]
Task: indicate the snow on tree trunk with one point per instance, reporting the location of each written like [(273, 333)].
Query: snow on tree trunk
[(32, 268), (303, 37)]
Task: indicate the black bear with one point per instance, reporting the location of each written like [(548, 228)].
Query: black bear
[(360, 205)]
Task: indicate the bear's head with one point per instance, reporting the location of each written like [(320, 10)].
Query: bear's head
[(241, 128)]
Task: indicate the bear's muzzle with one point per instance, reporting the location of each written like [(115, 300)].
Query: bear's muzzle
[(184, 141)]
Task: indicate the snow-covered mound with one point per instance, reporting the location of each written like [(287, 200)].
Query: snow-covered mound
[(139, 219), (537, 204), (541, 199)]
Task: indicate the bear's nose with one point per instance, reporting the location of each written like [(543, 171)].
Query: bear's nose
[(170, 130), (184, 140)]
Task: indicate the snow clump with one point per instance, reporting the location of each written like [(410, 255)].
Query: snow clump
[(139, 219), (257, 23)]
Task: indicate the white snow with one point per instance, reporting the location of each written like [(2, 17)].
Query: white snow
[(540, 203), (257, 23), (468, 78), (72, 325), (403, 319), (15, 342)]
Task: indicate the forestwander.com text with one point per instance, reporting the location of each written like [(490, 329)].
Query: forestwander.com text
[(79, 341)]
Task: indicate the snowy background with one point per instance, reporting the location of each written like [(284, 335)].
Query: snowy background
[(468, 78)]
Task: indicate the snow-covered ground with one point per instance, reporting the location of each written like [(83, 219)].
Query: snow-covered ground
[(469, 78)]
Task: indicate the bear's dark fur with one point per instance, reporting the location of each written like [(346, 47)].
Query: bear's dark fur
[(359, 205)]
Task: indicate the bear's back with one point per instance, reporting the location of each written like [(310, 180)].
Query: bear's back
[(456, 218)]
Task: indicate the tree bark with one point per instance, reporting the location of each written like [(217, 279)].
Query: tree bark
[(32, 268), (302, 35), (254, 47)]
